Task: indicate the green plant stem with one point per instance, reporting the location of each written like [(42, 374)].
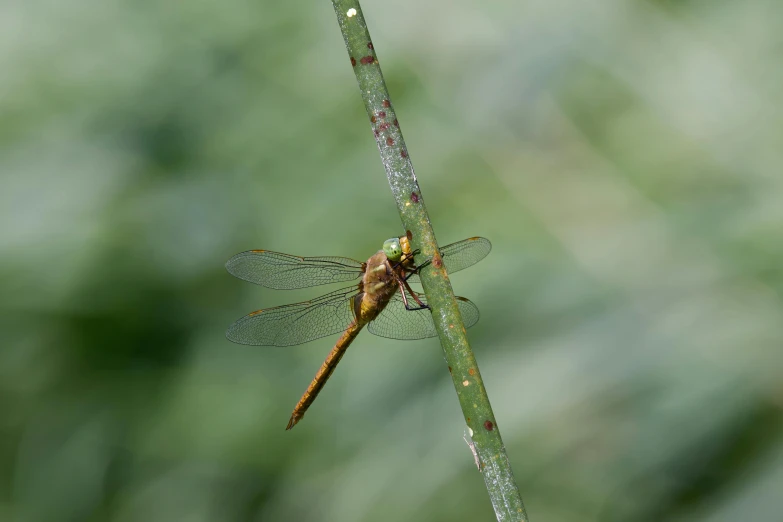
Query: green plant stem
[(485, 435)]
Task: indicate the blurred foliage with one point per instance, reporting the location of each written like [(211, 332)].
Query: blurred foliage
[(623, 157)]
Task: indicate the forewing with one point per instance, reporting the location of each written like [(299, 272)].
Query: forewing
[(286, 272), (460, 255), (295, 323), (397, 322)]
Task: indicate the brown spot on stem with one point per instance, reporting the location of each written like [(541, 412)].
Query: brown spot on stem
[(472, 371), (403, 153), (396, 123), (449, 369), (414, 197), (488, 425), (389, 142), (386, 103), (372, 118), (376, 132), (353, 61), (409, 234), (382, 114), (468, 419), (369, 45), (437, 261), (367, 60), (383, 126)]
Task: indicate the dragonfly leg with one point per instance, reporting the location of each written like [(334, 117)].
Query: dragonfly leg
[(403, 282), (416, 270), (405, 258), (414, 295), (403, 286), (427, 262)]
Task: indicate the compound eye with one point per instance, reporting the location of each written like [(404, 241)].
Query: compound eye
[(392, 249)]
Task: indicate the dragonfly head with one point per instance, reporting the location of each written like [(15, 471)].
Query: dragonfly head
[(392, 249)]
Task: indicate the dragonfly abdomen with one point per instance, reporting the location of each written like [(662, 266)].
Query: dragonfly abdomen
[(324, 372)]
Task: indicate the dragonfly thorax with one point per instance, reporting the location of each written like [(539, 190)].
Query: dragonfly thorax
[(377, 288)]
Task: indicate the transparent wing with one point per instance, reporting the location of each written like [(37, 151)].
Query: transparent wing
[(396, 322), (296, 323), (286, 272), (460, 255)]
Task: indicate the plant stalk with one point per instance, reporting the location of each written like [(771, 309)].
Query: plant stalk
[(490, 454)]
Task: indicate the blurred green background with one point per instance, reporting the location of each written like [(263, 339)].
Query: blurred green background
[(624, 157)]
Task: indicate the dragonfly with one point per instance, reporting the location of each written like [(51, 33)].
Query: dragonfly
[(382, 300)]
